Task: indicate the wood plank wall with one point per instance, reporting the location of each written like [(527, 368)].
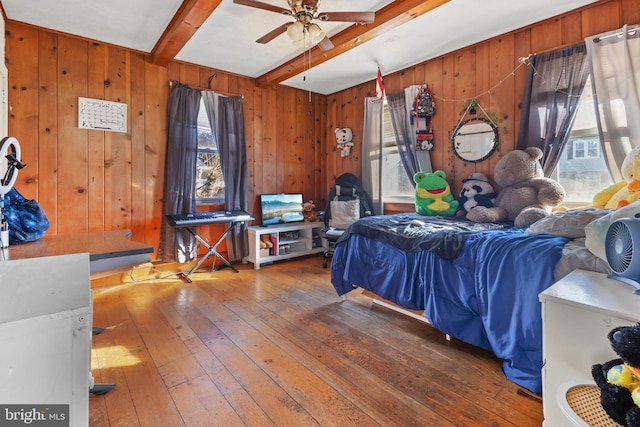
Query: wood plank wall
[(489, 71), (89, 180), (93, 180)]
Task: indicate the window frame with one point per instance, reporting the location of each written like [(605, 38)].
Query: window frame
[(390, 146), (203, 124), (584, 132)]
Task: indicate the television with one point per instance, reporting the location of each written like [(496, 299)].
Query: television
[(281, 208)]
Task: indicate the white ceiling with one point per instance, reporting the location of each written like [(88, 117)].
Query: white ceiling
[(226, 40)]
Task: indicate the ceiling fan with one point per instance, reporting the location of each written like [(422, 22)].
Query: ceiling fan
[(303, 30)]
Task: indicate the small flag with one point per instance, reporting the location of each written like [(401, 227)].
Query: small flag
[(380, 86)]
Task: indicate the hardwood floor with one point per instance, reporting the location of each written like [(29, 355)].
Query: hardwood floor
[(277, 346)]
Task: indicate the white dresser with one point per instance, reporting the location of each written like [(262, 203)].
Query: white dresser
[(45, 336), (577, 314)]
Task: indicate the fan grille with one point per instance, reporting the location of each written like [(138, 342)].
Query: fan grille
[(619, 247)]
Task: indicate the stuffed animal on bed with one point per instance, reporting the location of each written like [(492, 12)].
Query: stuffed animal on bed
[(624, 192), (619, 379), (476, 191), (526, 194), (433, 194)]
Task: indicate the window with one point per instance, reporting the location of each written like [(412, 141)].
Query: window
[(586, 148), (209, 187), (582, 169), (396, 185)]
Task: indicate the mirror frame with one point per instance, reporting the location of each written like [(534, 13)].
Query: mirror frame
[(456, 132)]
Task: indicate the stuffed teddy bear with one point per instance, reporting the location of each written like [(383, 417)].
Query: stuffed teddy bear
[(619, 379), (433, 194), (624, 192), (309, 211), (476, 191), (344, 138), (526, 195)]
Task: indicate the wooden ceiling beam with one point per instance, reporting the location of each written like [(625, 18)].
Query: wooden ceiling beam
[(387, 18), (189, 17)]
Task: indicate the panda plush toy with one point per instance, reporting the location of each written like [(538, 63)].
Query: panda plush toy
[(476, 191)]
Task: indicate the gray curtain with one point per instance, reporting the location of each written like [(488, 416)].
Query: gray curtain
[(404, 131), (372, 152), (553, 88), (177, 244), (210, 100), (233, 158), (614, 58)]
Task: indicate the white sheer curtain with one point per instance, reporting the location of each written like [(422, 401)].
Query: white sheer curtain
[(372, 152), (614, 58)]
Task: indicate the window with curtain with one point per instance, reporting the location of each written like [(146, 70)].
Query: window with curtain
[(209, 185), (183, 160), (614, 58), (396, 186), (582, 169), (559, 117)]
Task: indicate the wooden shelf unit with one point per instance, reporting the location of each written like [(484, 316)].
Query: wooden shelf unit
[(289, 241)]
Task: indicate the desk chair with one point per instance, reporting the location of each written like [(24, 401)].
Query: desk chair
[(347, 202)]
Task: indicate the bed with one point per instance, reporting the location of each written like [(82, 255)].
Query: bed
[(478, 283)]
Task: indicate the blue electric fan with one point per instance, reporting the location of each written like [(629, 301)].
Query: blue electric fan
[(622, 248)]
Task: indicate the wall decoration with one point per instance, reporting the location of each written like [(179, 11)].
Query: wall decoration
[(98, 114), (421, 112), (476, 136)]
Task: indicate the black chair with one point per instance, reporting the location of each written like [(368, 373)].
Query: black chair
[(347, 202)]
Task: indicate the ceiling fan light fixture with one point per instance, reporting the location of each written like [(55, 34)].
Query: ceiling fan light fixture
[(295, 31), (301, 43), (316, 34)]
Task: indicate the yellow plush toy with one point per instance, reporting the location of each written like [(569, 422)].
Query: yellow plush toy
[(625, 192)]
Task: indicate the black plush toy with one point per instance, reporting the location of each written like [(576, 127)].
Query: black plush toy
[(619, 379), (476, 191)]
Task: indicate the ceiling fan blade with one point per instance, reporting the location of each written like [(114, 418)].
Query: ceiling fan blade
[(325, 44), (357, 17), (263, 6), (273, 34)]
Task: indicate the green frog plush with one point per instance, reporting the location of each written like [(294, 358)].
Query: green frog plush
[(433, 194)]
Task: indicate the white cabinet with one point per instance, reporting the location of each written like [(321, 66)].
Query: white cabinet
[(45, 335), (577, 314), (288, 241)]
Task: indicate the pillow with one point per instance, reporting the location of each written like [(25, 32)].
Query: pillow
[(344, 213), (570, 223)]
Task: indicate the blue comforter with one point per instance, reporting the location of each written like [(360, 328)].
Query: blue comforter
[(487, 296)]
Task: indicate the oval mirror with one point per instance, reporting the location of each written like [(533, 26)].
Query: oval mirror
[(475, 139)]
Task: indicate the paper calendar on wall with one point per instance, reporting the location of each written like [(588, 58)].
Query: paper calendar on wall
[(97, 114)]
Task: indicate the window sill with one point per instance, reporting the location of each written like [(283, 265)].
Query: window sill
[(399, 207)]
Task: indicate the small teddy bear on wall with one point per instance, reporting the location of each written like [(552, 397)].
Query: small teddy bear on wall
[(344, 138)]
